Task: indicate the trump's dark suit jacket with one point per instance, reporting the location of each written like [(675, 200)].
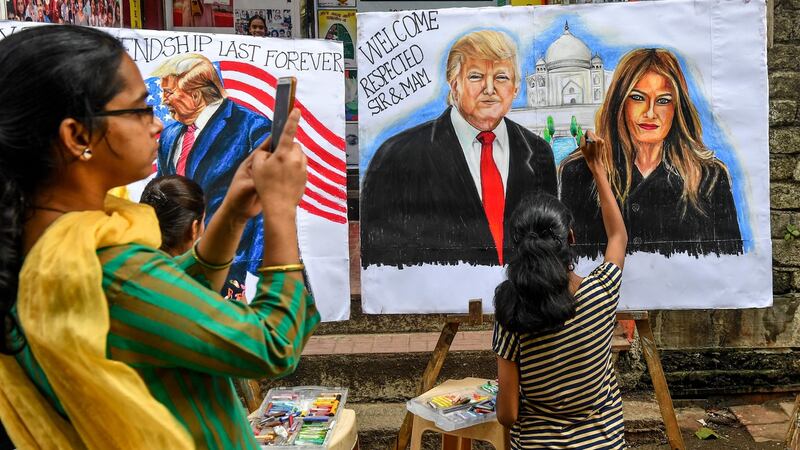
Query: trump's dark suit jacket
[(223, 143), (419, 203)]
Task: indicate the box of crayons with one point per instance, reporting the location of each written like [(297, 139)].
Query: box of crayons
[(461, 408), (304, 416)]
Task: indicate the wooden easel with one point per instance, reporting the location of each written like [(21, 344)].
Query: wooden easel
[(475, 317), (431, 373), (653, 360), (793, 433)]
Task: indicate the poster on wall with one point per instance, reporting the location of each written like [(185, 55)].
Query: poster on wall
[(210, 16), (281, 17), (339, 25), (407, 5), (336, 3), (93, 13), (350, 95), (689, 163), (526, 2), (217, 92), (351, 138)]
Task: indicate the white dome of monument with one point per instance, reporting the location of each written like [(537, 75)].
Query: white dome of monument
[(567, 51), (569, 74)]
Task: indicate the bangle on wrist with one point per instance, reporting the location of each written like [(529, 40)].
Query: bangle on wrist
[(282, 268), (207, 264)]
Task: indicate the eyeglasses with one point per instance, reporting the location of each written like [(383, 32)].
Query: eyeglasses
[(141, 112)]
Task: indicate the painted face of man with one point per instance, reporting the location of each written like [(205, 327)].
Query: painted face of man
[(484, 91), (182, 105), (649, 109)]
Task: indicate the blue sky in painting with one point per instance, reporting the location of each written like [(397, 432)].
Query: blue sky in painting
[(713, 135)]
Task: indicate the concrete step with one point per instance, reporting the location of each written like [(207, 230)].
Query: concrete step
[(341, 344), (385, 377), (378, 423), (389, 377)]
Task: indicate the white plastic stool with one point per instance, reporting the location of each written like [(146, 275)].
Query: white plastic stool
[(461, 439)]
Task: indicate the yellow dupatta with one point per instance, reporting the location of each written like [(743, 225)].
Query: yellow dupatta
[(64, 314)]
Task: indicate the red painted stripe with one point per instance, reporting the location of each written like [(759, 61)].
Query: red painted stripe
[(258, 94), (339, 185), (325, 185), (321, 213), (335, 177), (331, 159), (325, 201), (331, 182), (312, 120), (323, 131)]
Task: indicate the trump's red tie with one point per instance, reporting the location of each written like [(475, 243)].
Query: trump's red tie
[(494, 199), (186, 148)]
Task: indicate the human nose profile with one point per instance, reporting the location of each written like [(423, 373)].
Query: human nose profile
[(651, 114), (158, 124), (488, 87)]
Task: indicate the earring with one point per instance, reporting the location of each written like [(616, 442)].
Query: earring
[(87, 154)]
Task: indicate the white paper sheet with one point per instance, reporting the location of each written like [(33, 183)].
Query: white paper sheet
[(248, 67), (721, 49)]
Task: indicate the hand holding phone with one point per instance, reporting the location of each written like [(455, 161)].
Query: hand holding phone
[(284, 103)]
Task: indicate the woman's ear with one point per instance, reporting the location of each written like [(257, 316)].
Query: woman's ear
[(571, 237), (197, 229), (74, 136)]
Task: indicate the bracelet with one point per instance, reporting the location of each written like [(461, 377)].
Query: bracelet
[(284, 268), (207, 264)]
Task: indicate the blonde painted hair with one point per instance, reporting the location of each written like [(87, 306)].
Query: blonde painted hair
[(684, 153), (485, 44), (194, 73)]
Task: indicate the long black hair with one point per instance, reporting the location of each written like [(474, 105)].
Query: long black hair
[(178, 202), (47, 74), (535, 297)]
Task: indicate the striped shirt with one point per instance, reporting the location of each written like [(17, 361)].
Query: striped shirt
[(186, 341), (569, 397)]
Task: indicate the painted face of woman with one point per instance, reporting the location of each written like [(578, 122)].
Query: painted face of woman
[(649, 109)]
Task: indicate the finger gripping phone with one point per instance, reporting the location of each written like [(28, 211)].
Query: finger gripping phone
[(284, 103)]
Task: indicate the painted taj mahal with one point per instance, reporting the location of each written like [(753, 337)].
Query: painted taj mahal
[(567, 75), (569, 81)]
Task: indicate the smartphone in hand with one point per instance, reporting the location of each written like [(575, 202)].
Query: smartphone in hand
[(284, 103)]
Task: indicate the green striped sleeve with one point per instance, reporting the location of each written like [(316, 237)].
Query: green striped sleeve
[(188, 263), (163, 317)]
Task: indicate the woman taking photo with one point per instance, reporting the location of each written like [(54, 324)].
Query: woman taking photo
[(675, 195), (108, 342)]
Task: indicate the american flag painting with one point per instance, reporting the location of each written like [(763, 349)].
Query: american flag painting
[(254, 88), (250, 81)]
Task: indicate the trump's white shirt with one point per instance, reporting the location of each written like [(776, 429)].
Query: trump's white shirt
[(471, 146), (200, 123)]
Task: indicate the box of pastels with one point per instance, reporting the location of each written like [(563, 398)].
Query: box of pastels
[(458, 409), (291, 418)]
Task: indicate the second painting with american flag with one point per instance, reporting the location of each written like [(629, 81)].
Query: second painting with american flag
[(215, 96)]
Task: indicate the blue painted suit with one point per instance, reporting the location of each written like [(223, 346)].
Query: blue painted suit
[(225, 141)]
